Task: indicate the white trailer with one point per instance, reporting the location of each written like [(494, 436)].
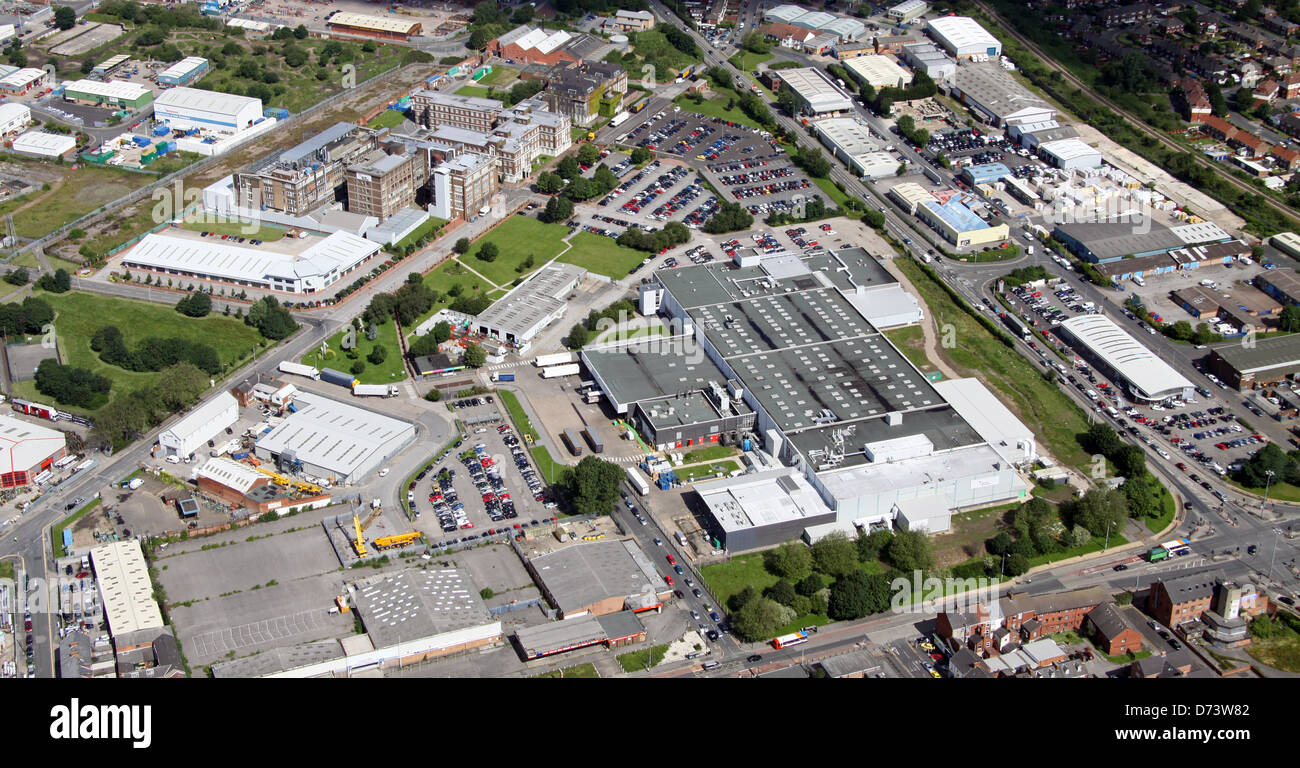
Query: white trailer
[(374, 390), (298, 369), (638, 482), (560, 370), (559, 358)]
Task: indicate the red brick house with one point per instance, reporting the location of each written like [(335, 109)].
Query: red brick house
[(1291, 85), (1266, 91), (1112, 631)]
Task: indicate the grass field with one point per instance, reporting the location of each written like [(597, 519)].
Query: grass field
[(56, 532), (709, 454), (389, 118), (1280, 491), (910, 340), (716, 107), (517, 238), (833, 193), (601, 255), (636, 660), (1038, 402), (500, 76), (254, 230), (581, 670), (707, 471), (729, 578), (386, 372), (80, 192), (748, 60), (79, 315), (1157, 524), (1281, 650), (473, 90)]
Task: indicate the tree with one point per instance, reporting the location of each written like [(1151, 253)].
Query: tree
[(999, 545), (358, 367), (1100, 438), (759, 619), (835, 555), (1289, 320), (65, 17), (813, 162), (858, 594), (741, 599), (811, 585), (59, 282), (1017, 565), (1130, 461), (792, 560), (441, 331), (578, 337), (588, 154), (782, 592), (69, 385), (568, 167), (870, 545), (487, 252), (1218, 104), (604, 179), (873, 218), (581, 188), (433, 395), (461, 246), (910, 551), (640, 156), (197, 304), (300, 32), (1270, 458), (377, 355), (731, 217), (474, 357), (18, 276), (593, 486), (549, 183), (557, 209), (271, 319), (1100, 509)]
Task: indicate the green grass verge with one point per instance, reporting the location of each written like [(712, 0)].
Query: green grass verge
[(551, 470), (517, 238), (1280, 491), (581, 670), (56, 533), (1167, 509), (389, 118), (637, 660), (833, 192), (716, 108), (910, 340), (600, 254), (521, 421), (79, 315), (429, 227), (1055, 419), (500, 76), (1095, 545), (747, 61), (387, 372)]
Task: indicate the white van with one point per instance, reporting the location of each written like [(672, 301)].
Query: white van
[(173, 460)]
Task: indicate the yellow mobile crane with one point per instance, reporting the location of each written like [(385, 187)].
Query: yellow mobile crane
[(360, 526), (289, 482)]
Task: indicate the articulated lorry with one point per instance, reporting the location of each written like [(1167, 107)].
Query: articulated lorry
[(503, 377), (561, 370), (374, 390), (298, 369)]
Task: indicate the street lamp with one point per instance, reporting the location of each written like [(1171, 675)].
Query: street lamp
[(1109, 523), (1276, 532), (1267, 483)]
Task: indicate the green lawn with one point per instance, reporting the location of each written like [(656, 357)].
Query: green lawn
[(79, 315), (709, 454), (581, 670), (1282, 649), (389, 371), (517, 238), (1157, 524), (729, 578), (473, 90), (833, 192), (747, 61), (636, 660), (716, 108), (648, 329), (500, 76), (56, 532), (1279, 491), (1038, 402), (429, 227), (910, 340), (252, 229), (707, 471), (389, 118), (7, 569), (601, 255), (81, 191)]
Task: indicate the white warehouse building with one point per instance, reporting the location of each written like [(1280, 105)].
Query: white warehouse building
[(14, 117), (266, 266), (191, 433), (1070, 154), (1124, 359), (817, 94), (222, 113), (334, 440), (964, 38)]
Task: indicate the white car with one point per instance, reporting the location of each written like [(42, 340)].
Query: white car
[(173, 460), (383, 472)]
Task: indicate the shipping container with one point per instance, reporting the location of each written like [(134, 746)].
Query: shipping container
[(331, 376), (571, 441), (638, 482), (558, 358), (560, 370), (298, 369), (593, 440)]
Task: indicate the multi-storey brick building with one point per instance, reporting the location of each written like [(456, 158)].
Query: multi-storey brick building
[(385, 181), (300, 179)]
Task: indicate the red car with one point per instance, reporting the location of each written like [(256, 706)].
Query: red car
[(669, 579), (937, 656), (1181, 466), (672, 560)]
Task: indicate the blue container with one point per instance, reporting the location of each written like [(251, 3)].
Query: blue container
[(140, 141), (745, 444), (161, 130), (240, 455)]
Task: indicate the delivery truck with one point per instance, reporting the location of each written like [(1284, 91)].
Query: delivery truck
[(570, 369), (503, 377), (559, 358), (638, 482), (331, 376), (298, 369), (374, 390)]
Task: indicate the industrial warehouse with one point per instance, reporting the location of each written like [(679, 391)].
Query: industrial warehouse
[(26, 450), (1267, 361), (296, 266), (851, 141), (817, 94), (189, 434), (598, 578), (184, 109), (383, 27), (333, 440), (788, 344), (1124, 359), (531, 306)]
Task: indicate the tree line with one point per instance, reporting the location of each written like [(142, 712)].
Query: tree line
[(153, 353)]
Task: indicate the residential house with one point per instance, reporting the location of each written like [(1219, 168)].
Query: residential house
[(1281, 26), (1124, 14), (1290, 125), (1112, 631), (1266, 91), (1176, 664), (1291, 86), (1193, 100), (1287, 159), (787, 35)]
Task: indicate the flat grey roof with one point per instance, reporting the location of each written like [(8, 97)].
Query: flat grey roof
[(779, 321), (581, 574), (557, 636), (851, 663), (1274, 352), (690, 408), (281, 659), (1112, 239), (653, 369), (532, 300), (1285, 281), (944, 427), (418, 603), (335, 435)]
